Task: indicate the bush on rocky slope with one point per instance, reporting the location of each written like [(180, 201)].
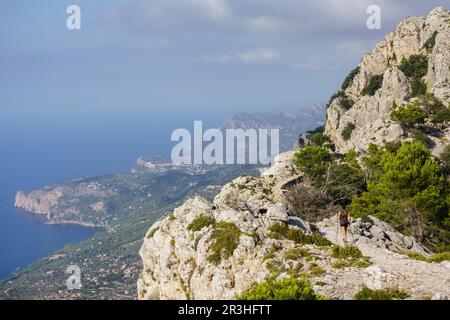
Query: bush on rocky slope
[(374, 84), (200, 222), (409, 190), (415, 66), (338, 180), (225, 239), (409, 116), (282, 231), (429, 44), (309, 203), (348, 130), (285, 289), (386, 294), (349, 78)]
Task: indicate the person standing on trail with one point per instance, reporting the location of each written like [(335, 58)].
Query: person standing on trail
[(344, 220)]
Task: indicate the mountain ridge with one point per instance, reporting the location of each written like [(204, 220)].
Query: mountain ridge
[(251, 235)]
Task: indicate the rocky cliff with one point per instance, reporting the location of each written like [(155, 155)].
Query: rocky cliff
[(369, 114), (248, 233), (181, 260)]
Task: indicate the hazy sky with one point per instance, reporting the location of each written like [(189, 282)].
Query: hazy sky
[(184, 55)]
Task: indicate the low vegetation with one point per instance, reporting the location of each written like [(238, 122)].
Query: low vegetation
[(429, 44), (436, 258), (445, 156), (346, 252), (348, 130), (349, 78), (407, 188), (200, 222), (285, 289), (387, 294), (315, 270), (297, 253), (416, 66), (152, 233), (309, 203), (374, 84), (282, 231), (225, 239), (409, 116), (349, 256), (421, 137)]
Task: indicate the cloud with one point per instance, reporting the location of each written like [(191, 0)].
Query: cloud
[(256, 17), (259, 55), (222, 59)]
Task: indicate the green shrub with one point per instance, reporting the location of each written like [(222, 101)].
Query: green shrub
[(409, 190), (374, 84), (347, 103), (436, 258), (351, 158), (421, 137), (280, 231), (347, 132), (445, 156), (441, 116), (414, 67), (152, 233), (388, 294), (275, 267), (343, 182), (271, 253), (349, 78), (285, 289), (200, 222), (297, 253), (418, 88), (225, 239), (392, 146), (346, 252), (318, 139), (316, 270), (360, 263), (429, 44), (439, 257), (409, 116), (313, 161)]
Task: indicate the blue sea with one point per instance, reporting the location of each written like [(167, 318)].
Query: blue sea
[(41, 149)]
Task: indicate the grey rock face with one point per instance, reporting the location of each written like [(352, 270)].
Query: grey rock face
[(371, 114)]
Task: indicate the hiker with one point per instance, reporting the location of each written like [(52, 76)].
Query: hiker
[(344, 220)]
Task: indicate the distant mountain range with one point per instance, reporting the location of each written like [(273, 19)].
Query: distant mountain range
[(291, 124)]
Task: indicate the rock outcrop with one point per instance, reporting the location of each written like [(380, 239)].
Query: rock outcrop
[(370, 115), (177, 265), (219, 249), (38, 202)]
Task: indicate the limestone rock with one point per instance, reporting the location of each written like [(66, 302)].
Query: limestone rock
[(371, 114)]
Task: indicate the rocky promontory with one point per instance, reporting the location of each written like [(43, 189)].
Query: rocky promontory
[(219, 249), (387, 78)]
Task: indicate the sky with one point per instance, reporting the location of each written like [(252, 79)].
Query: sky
[(184, 56)]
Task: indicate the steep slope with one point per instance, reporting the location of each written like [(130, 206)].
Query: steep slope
[(369, 113), (248, 234), (219, 250)]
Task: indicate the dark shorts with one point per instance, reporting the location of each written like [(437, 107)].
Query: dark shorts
[(344, 224)]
